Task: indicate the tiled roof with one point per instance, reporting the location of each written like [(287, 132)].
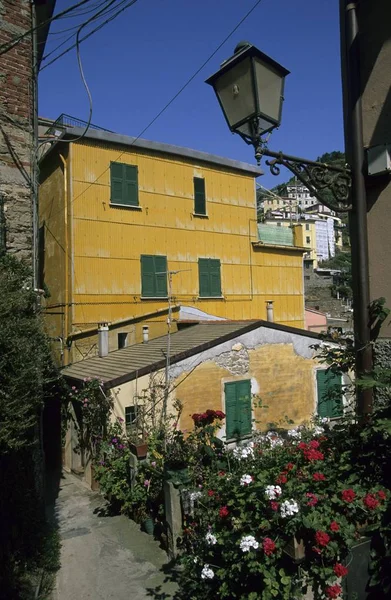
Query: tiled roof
[(126, 364), (137, 360)]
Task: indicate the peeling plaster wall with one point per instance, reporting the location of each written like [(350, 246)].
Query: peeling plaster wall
[(280, 365)]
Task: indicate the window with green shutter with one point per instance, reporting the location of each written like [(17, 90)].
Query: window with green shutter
[(209, 273), (238, 419), (199, 196), (153, 276), (329, 387), (124, 184)]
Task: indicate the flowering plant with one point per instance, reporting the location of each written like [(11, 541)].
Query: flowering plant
[(276, 490)]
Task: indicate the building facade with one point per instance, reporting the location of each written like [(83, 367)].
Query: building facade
[(20, 60), (131, 227)]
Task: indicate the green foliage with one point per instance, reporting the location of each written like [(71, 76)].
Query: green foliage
[(28, 379), (25, 362)]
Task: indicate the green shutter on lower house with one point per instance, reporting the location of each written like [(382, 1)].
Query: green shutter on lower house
[(243, 399), (130, 182), (232, 426), (214, 277), (160, 276), (147, 275), (329, 394), (203, 274), (116, 183), (199, 196), (238, 417)]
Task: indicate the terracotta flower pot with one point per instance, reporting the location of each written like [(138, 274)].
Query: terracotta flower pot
[(140, 450)]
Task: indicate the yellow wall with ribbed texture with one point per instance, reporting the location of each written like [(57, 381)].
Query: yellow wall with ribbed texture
[(106, 241)]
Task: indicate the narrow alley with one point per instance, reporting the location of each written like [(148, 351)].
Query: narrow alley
[(104, 557)]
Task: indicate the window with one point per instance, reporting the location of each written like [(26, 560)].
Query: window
[(307, 227), (130, 415), (308, 239), (238, 420), (329, 388), (124, 184), (153, 276), (199, 196), (209, 277)]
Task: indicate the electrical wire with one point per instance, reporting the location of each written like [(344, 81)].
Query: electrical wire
[(12, 43), (128, 5), (175, 95), (105, 13)]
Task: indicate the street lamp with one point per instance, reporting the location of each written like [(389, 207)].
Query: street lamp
[(250, 87)]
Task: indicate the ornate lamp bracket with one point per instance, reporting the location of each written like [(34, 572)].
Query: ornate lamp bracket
[(329, 184)]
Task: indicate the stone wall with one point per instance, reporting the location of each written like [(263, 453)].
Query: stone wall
[(16, 128)]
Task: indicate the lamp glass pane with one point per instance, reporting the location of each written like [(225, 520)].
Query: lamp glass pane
[(269, 84), (246, 128), (235, 92)]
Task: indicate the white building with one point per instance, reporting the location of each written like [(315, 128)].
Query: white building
[(301, 194)]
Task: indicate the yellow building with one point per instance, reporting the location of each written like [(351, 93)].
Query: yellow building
[(258, 373), (118, 214)]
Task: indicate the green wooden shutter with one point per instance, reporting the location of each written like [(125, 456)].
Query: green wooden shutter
[(147, 275), (335, 390), (232, 426), (130, 185), (329, 394), (116, 183), (243, 400), (214, 277), (199, 196), (203, 275), (160, 276)]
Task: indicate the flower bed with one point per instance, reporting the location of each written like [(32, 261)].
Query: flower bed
[(273, 492)]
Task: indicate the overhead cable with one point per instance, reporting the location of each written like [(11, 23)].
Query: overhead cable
[(82, 39), (16, 40)]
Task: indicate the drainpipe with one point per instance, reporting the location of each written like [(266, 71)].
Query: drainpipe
[(103, 339), (145, 334), (66, 246), (270, 311), (350, 50)]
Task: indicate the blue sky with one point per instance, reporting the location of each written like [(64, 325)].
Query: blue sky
[(135, 65)]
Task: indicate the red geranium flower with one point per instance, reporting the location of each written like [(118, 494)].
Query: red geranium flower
[(318, 477), (371, 502), (314, 444), (333, 591), (340, 570), (382, 495), (274, 505), (221, 473), (322, 538), (224, 512), (313, 499), (268, 546), (348, 495), (334, 526), (219, 414), (211, 493), (281, 478), (312, 454), (289, 466), (302, 445)]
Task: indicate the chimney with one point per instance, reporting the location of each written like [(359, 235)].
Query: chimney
[(145, 334), (270, 311), (103, 339)]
